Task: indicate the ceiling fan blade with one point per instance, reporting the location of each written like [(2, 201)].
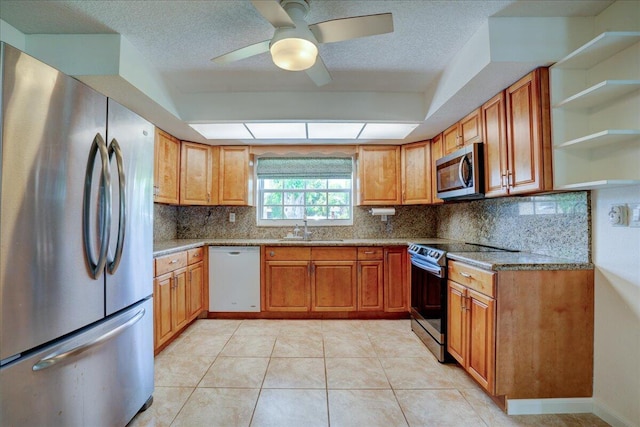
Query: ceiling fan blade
[(319, 73), (243, 52), (273, 12), (351, 28)]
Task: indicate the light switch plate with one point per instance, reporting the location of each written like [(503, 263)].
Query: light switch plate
[(618, 215), (634, 215)]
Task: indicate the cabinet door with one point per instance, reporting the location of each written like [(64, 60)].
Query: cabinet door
[(437, 151), (456, 328), (379, 175), (167, 168), (287, 286), (416, 173), (451, 139), (396, 286), (495, 146), (333, 286), (195, 288), (162, 286), (179, 300), (234, 176), (528, 134), (370, 286), (196, 170), (471, 128), (480, 311)]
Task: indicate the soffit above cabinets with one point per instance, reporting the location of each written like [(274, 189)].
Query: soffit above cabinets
[(443, 59)]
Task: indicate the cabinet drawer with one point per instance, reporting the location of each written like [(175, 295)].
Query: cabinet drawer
[(333, 254), (171, 262), (370, 253), (195, 255), (287, 253), (475, 278)]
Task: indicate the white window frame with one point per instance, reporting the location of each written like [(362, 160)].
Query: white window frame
[(293, 222)]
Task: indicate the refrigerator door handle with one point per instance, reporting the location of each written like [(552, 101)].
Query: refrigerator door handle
[(114, 148), (96, 267), (64, 353)]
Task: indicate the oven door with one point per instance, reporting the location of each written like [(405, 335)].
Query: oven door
[(429, 306)]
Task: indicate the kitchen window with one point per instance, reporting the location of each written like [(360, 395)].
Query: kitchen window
[(291, 189)]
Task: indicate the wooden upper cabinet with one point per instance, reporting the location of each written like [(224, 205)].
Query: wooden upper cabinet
[(437, 151), (166, 178), (466, 131), (529, 134), (495, 146), (379, 175), (198, 174), (234, 177), (416, 173)]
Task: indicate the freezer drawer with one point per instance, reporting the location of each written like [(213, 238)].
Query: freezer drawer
[(100, 377), (234, 278)]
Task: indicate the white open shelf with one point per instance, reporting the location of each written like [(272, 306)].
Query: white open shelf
[(599, 139), (600, 48), (594, 185), (599, 94)]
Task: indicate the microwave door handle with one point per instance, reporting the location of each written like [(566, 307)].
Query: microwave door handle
[(462, 180)]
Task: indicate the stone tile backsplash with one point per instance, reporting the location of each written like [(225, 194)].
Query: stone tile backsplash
[(554, 224), (196, 222)]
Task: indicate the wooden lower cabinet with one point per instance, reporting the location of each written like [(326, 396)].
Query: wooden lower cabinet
[(471, 332), (333, 286), (178, 293), (287, 286), (195, 275), (370, 285), (523, 334), (396, 284), (334, 279), (162, 287)]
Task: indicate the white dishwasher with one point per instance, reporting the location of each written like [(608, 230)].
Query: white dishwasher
[(234, 278)]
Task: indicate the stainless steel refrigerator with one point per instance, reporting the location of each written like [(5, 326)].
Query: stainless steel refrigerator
[(76, 210)]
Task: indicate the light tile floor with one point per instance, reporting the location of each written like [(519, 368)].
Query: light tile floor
[(309, 373)]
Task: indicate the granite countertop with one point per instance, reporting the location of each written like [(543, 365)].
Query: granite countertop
[(488, 260), (171, 246), (517, 261)]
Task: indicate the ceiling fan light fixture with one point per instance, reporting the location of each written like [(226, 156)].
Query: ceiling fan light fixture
[(294, 54)]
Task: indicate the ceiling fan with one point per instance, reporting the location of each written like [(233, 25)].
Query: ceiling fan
[(294, 45)]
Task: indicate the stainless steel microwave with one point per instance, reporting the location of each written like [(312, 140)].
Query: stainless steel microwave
[(460, 174)]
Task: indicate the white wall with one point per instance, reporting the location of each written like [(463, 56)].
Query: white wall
[(616, 255)]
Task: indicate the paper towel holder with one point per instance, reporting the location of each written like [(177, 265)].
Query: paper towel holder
[(382, 212)]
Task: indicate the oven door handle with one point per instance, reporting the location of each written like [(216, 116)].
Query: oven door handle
[(436, 271)]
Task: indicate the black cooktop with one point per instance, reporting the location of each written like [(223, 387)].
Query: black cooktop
[(466, 247)]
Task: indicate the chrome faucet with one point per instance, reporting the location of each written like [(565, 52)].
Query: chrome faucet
[(306, 234)]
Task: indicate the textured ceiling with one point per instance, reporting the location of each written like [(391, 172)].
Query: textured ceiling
[(180, 37)]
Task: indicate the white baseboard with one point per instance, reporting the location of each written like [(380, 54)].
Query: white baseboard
[(604, 412), (549, 406)]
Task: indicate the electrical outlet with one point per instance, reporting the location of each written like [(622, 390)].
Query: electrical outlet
[(232, 217), (634, 215), (618, 215)]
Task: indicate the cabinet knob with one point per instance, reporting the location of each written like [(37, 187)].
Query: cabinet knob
[(272, 253), (467, 275)]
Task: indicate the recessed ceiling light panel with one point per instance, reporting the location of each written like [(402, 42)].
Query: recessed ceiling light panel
[(278, 130), (387, 130), (222, 130), (334, 130)]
